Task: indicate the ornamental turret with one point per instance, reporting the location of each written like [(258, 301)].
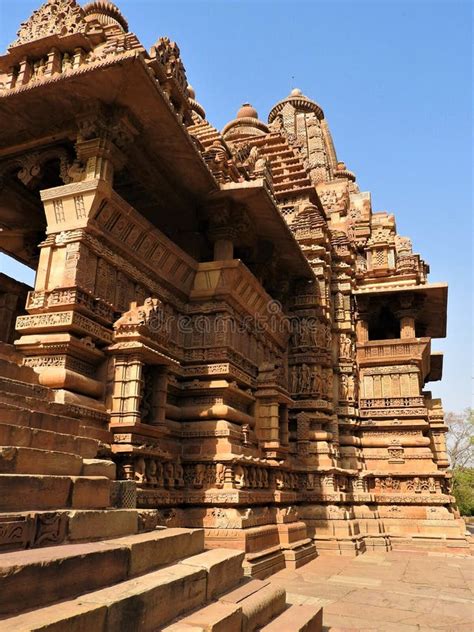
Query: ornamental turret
[(303, 121)]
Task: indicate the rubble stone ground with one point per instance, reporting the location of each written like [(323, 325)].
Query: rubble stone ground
[(397, 591)]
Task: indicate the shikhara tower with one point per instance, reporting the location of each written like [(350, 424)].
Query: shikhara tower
[(219, 314)]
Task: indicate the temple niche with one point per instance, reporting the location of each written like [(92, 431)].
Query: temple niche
[(219, 319)]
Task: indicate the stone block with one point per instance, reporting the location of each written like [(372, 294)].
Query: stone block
[(90, 493), (156, 548), (261, 607), (95, 524), (14, 435), (22, 492), (39, 577), (297, 618), (223, 567), (99, 467), (148, 602), (22, 460), (72, 616), (86, 447), (246, 589), (217, 617)]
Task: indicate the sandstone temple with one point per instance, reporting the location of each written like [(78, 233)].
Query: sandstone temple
[(223, 366)]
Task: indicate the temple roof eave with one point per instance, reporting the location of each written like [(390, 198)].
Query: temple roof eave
[(125, 81), (269, 223)]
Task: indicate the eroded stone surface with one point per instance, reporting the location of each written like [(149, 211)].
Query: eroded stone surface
[(391, 591)]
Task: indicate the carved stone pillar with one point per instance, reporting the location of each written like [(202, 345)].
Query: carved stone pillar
[(224, 247), (407, 326), (227, 223), (362, 330), (139, 342), (127, 393), (409, 306), (271, 411)]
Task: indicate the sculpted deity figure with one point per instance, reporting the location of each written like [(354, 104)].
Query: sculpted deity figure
[(151, 471), (345, 346), (317, 382), (140, 469), (179, 473), (239, 476), (350, 388), (169, 474), (159, 473), (344, 386), (280, 480), (293, 379), (220, 471), (328, 383), (199, 473), (296, 333), (305, 379), (320, 334), (328, 336)]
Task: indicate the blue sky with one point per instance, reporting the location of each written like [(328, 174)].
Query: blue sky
[(394, 80)]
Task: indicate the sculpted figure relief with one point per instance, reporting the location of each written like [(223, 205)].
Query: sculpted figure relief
[(345, 346)]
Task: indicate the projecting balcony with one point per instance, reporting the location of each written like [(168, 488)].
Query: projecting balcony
[(396, 351)]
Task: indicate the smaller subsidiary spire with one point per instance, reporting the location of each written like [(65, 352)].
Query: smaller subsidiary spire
[(300, 102)]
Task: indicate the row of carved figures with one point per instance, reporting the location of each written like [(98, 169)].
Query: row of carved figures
[(311, 379), (310, 332), (318, 382), (154, 473)]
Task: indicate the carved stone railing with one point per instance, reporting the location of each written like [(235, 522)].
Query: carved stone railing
[(391, 402)]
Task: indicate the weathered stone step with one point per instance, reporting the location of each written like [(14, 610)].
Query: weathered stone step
[(216, 617), (66, 571), (223, 567), (21, 460), (143, 604), (25, 436), (23, 411), (23, 492), (260, 602), (33, 529), (297, 618), (99, 467), (18, 408)]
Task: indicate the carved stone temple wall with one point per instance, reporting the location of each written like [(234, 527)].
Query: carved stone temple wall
[(224, 312)]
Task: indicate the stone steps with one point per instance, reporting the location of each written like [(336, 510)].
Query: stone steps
[(33, 529), (215, 617), (253, 604), (24, 492), (30, 437), (21, 460), (67, 571), (140, 583), (260, 602), (142, 604), (297, 618)]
